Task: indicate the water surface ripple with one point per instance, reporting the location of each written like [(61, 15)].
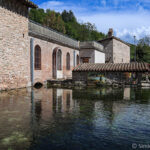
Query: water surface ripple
[(78, 119)]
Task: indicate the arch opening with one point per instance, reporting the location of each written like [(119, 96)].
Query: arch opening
[(56, 61), (38, 85), (37, 57)]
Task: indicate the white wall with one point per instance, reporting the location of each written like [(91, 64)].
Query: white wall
[(121, 52), (59, 74), (99, 57)]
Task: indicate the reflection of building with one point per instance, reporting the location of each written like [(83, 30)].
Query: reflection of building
[(114, 106), (126, 93), (32, 117), (62, 100), (48, 102)]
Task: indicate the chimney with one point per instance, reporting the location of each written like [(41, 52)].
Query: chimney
[(110, 32)]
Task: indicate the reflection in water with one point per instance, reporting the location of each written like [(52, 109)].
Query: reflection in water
[(68, 101), (38, 110), (127, 93), (88, 119)]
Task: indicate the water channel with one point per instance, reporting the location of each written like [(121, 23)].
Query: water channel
[(75, 119)]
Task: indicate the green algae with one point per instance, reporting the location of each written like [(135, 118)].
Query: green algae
[(16, 137)]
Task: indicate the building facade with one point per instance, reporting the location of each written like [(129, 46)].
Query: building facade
[(91, 52), (54, 54), (31, 53), (116, 50), (14, 44)]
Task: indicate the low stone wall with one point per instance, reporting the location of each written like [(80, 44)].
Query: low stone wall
[(112, 78)]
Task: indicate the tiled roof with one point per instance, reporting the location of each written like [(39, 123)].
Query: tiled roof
[(110, 67), (29, 3)]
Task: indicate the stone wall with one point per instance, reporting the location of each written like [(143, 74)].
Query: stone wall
[(47, 48), (99, 57), (87, 53), (124, 78), (121, 52), (108, 46), (80, 76), (14, 49), (116, 51)]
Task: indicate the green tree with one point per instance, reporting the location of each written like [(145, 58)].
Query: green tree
[(50, 19), (66, 23), (143, 50), (60, 25), (37, 15), (68, 16)]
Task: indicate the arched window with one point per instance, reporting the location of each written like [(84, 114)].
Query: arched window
[(37, 57), (68, 61), (59, 65), (78, 61)]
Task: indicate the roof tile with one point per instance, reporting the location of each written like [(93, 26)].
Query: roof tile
[(124, 67)]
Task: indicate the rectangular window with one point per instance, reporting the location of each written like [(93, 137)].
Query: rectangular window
[(85, 60)]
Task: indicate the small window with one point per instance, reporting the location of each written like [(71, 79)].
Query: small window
[(68, 61), (85, 60), (37, 58)]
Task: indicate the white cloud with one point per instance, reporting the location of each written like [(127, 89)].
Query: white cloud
[(139, 32), (60, 6), (125, 22), (103, 2), (50, 4)]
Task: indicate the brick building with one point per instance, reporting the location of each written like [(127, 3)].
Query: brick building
[(14, 44), (31, 53)]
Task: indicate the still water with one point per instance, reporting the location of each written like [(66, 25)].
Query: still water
[(79, 119)]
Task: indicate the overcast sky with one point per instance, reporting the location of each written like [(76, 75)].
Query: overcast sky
[(126, 17)]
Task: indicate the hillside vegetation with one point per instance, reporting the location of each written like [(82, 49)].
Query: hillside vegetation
[(67, 23), (142, 50)]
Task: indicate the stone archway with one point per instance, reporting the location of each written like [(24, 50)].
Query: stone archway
[(57, 63)]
